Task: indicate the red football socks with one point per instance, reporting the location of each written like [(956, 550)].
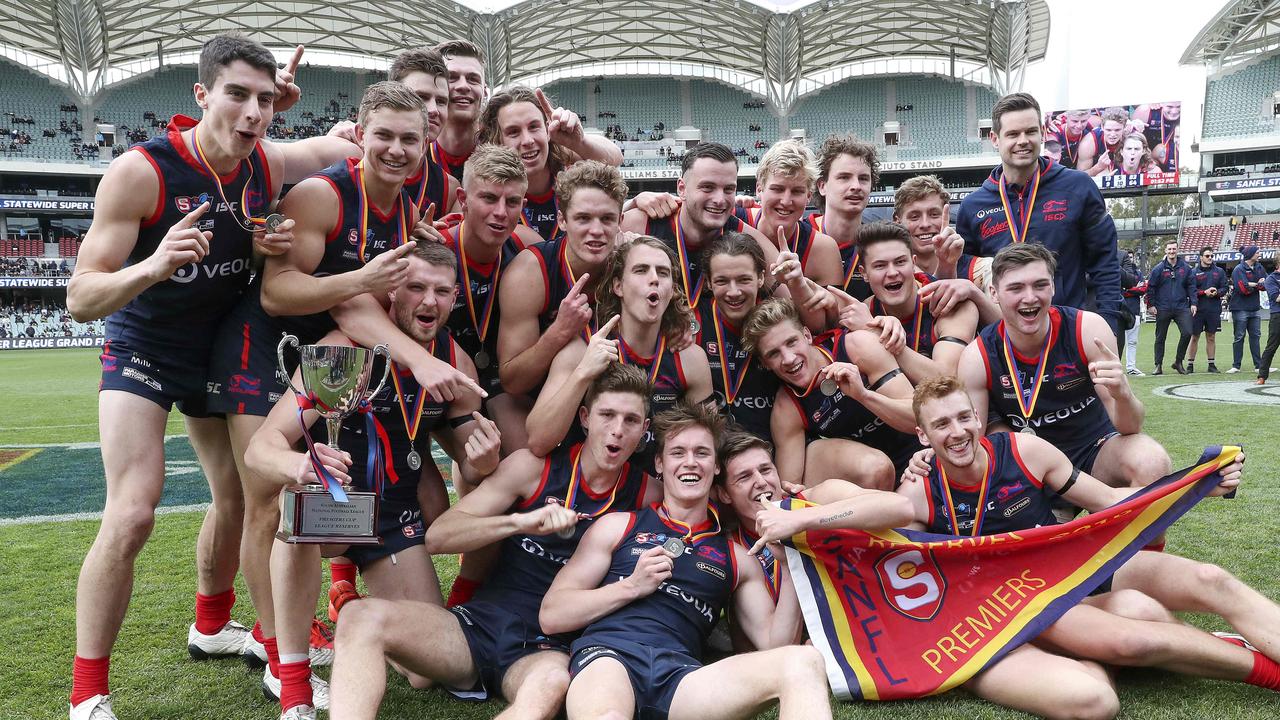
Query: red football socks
[(295, 684), (342, 571), (89, 678), (273, 656), (1265, 673), (462, 591), (214, 611)]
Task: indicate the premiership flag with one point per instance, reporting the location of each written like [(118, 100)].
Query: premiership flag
[(900, 614)]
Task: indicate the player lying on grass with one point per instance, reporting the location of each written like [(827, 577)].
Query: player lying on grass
[(648, 587), (537, 509), (406, 419)]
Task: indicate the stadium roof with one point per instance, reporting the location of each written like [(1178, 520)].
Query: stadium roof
[(1241, 32), (781, 51)]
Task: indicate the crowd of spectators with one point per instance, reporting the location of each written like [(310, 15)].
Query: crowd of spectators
[(33, 267), (38, 320), (1225, 171)]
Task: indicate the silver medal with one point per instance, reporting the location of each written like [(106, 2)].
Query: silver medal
[(674, 547), (694, 327), (273, 222), (415, 460), (1028, 430), (482, 360), (829, 387)]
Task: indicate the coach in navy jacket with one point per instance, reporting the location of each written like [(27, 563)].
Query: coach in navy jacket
[(1064, 211), (1245, 306), (1272, 286), (1171, 292)]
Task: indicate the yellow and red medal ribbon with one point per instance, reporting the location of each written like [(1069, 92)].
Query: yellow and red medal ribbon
[(980, 511), (694, 294), (656, 360), (575, 482), (1018, 230), (690, 538), (402, 231), (410, 426), (730, 388), (1026, 398), (481, 325), (217, 181)]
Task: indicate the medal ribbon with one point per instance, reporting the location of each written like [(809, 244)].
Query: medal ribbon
[(981, 510), (1026, 398), (402, 228), (1018, 232), (878, 309), (731, 387), (481, 325), (575, 482), (853, 267), (410, 427), (655, 362), (570, 277), (770, 564), (813, 381), (694, 294), (217, 181), (689, 537)]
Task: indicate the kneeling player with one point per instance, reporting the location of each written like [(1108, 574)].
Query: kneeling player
[(648, 587), (827, 421), (1053, 371), (537, 508), (399, 567), (1119, 627)]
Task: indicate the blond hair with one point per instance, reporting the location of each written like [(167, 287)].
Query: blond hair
[(789, 159), (764, 317), (935, 389), (495, 164), (393, 95)]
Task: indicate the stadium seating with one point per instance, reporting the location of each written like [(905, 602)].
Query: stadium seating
[(1240, 104), (1195, 237), (1258, 233)]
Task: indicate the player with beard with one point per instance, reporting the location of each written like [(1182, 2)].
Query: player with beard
[(1052, 371), (749, 485), (922, 205), (538, 510), (707, 188), (847, 170), (399, 568), (639, 297), (1029, 199), (842, 410), (1171, 296), (353, 224), (548, 140), (563, 272), (487, 240), (1128, 621), (934, 342), (784, 182), (1160, 124), (168, 255), (648, 587), (1099, 149)]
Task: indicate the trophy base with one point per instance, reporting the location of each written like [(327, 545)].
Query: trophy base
[(310, 515)]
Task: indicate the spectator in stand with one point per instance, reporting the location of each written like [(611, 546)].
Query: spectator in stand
[(1245, 306), (1133, 288), (1171, 296), (1211, 288)]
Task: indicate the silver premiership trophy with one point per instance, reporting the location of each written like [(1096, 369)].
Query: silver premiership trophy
[(335, 378)]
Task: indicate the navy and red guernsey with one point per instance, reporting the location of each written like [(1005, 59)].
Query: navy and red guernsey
[(182, 313), (476, 308), (744, 389), (1067, 216), (430, 185), (855, 282), (921, 334), (1067, 412), (1009, 498), (558, 278), (449, 163), (541, 212), (1070, 148), (668, 230), (680, 614), (528, 563), (840, 416)]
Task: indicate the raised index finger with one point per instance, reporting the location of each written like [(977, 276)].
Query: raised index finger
[(429, 215), (842, 298), (1106, 349), (292, 67), (544, 102), (783, 244), (189, 220), (607, 328), (578, 284), (404, 249)]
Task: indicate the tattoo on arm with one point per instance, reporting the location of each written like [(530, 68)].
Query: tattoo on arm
[(832, 518)]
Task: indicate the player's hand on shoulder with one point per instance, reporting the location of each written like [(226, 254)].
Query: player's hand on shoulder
[(893, 337), (185, 243), (653, 567), (657, 204), (344, 129), (944, 296), (336, 462), (918, 467)]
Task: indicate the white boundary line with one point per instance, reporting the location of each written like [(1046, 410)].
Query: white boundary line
[(71, 517)]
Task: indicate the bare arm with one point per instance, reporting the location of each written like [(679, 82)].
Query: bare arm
[(524, 353), (304, 158), (484, 515), (126, 197), (824, 265), (697, 373), (787, 428), (556, 408), (1123, 407), (576, 597), (961, 323), (892, 400), (765, 624), (973, 373)]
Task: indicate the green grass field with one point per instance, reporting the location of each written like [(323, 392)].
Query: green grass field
[(47, 398)]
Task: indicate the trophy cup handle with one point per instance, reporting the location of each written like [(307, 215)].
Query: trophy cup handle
[(384, 351), (280, 369)]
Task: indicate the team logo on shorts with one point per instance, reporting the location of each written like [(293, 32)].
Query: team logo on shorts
[(412, 531), (244, 385), (912, 583)]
